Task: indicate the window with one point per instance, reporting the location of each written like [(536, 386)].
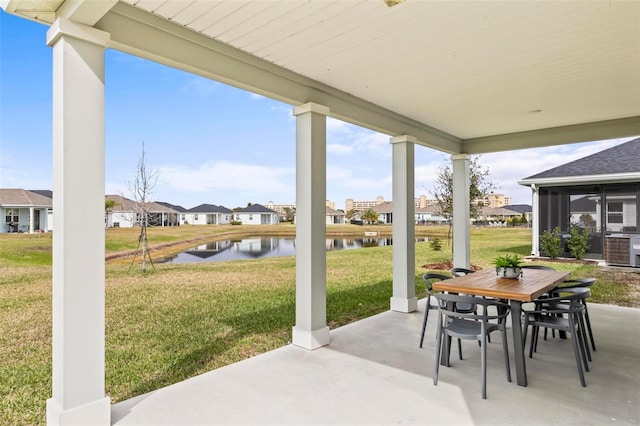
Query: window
[(183, 215), (195, 216), (614, 212), (11, 216)]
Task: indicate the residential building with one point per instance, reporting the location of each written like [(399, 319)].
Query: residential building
[(600, 192), (497, 200), (127, 213), (351, 204), (25, 211), (256, 214), (335, 217), (207, 214)]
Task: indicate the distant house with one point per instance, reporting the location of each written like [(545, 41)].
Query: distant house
[(492, 215), (125, 214), (335, 217), (25, 211), (385, 211), (429, 214), (208, 214), (256, 214), (181, 210), (600, 192)]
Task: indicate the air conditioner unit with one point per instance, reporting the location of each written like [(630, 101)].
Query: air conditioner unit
[(622, 249)]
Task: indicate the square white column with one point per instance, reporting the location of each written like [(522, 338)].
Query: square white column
[(78, 242), (535, 221), (461, 211), (31, 219), (403, 298), (310, 330)]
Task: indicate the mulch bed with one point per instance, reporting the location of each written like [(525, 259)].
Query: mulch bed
[(445, 266)]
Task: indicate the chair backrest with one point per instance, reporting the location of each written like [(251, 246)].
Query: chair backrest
[(430, 278), (564, 300), (447, 306), (458, 272), (579, 282), (546, 268)]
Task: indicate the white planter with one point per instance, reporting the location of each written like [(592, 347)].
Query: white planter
[(509, 272)]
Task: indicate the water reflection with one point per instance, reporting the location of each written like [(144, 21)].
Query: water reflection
[(261, 247)]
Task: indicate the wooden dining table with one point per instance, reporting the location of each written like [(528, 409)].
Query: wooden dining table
[(532, 284)]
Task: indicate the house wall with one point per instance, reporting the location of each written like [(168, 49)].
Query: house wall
[(121, 219), (257, 218), (24, 218)]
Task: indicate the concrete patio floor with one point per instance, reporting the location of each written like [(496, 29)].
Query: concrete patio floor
[(373, 373)]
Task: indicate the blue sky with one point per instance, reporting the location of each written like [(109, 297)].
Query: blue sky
[(209, 142)]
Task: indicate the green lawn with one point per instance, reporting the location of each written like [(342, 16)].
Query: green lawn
[(185, 319)]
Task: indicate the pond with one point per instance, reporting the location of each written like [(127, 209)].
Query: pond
[(261, 247)]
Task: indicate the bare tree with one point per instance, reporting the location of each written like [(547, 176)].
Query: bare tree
[(142, 189), (479, 189)]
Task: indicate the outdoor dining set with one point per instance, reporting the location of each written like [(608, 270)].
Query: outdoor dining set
[(473, 305)]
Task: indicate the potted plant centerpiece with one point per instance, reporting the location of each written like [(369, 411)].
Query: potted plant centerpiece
[(508, 266)]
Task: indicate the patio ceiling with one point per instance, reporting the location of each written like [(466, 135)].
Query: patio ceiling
[(461, 77)]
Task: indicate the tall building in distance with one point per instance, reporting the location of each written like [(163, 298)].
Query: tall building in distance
[(280, 208), (350, 204), (497, 200)]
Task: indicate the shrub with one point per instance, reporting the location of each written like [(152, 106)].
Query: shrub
[(578, 242), (551, 243), (436, 244), (236, 222)]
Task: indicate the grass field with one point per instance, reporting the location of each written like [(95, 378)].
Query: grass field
[(185, 319)]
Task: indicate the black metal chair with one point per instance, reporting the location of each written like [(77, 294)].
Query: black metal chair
[(579, 283), (458, 272), (429, 279), (469, 326), (546, 268), (562, 311)]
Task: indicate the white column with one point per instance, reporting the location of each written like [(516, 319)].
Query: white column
[(310, 330), (78, 242), (535, 221), (404, 249), (461, 228), (31, 224)]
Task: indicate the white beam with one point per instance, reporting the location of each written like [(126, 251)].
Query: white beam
[(78, 242), (461, 228), (310, 330), (404, 250), (600, 130)]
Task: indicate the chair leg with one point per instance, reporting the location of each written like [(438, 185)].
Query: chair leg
[(460, 349), (577, 323), (483, 360), (424, 321), (438, 351), (582, 329), (576, 351), (505, 349), (586, 317)]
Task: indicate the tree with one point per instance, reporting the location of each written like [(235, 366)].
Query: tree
[(370, 216), (289, 214), (479, 189), (350, 214), (142, 189)]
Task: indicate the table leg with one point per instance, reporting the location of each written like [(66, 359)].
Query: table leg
[(518, 347)]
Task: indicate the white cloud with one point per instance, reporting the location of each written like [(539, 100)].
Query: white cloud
[(226, 183), (339, 149)]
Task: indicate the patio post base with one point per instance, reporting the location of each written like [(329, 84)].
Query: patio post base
[(400, 304), (310, 339), (94, 413)]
